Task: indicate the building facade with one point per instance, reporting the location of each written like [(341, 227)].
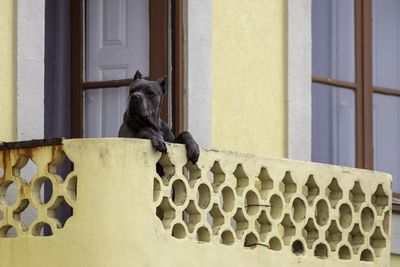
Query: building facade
[(241, 76)]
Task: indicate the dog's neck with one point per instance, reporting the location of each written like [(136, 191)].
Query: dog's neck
[(136, 123)]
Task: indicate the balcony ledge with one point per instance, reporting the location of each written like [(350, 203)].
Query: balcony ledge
[(229, 209)]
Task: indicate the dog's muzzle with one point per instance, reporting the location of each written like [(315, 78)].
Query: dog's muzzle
[(135, 99), (137, 105)]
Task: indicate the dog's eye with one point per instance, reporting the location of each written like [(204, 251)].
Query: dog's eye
[(149, 93)]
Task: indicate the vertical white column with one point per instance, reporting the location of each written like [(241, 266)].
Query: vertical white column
[(30, 69), (199, 70), (299, 79)]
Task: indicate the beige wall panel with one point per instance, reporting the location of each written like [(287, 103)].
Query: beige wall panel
[(7, 71), (249, 48)]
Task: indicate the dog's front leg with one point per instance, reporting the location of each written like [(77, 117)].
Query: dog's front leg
[(156, 139), (192, 147)]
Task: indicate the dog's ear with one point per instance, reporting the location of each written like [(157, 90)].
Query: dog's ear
[(138, 75), (162, 82)]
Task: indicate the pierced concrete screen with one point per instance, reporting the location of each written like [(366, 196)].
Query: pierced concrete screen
[(37, 191), (317, 210), (133, 206)]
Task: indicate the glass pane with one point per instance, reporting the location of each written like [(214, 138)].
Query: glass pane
[(117, 39), (333, 125), (386, 136), (103, 111), (333, 39), (386, 43)]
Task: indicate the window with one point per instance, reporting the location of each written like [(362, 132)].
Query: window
[(110, 40), (356, 85), (73, 71)]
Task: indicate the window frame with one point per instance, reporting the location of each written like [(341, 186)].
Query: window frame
[(158, 51), (363, 88)]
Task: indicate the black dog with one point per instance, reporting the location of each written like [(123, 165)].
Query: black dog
[(142, 117)]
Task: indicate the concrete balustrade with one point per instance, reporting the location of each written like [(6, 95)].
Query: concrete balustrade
[(132, 206)]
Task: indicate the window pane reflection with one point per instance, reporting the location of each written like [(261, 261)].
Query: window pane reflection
[(103, 111), (386, 136), (386, 43), (333, 39), (333, 125)]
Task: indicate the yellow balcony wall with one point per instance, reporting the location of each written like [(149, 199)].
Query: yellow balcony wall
[(7, 69), (230, 209)]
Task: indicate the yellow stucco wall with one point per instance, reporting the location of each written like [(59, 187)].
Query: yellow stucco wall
[(249, 73), (7, 70), (395, 260)]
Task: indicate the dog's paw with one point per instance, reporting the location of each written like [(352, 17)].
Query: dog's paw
[(193, 153), (159, 145)]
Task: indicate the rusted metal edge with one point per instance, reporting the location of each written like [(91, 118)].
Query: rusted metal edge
[(30, 144)]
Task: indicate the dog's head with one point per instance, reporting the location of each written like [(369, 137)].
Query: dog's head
[(145, 97)]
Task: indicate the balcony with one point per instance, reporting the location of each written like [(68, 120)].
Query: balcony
[(133, 206)]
